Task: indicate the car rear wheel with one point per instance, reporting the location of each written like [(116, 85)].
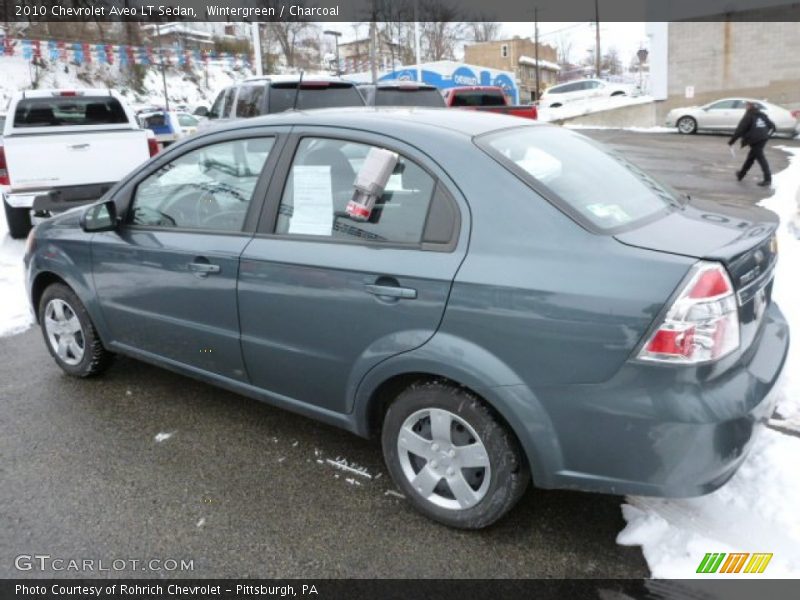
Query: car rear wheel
[(687, 125), (18, 221), (454, 460), (69, 333)]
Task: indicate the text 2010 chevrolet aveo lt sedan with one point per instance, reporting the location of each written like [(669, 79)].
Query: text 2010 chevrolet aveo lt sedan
[(496, 300)]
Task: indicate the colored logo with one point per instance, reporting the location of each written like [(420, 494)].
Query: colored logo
[(736, 562)]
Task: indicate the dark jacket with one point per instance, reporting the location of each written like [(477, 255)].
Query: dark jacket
[(755, 127)]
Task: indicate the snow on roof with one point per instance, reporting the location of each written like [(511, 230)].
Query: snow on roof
[(178, 28), (545, 64)]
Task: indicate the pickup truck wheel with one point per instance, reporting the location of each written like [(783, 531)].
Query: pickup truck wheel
[(451, 456), (69, 333), (18, 221)]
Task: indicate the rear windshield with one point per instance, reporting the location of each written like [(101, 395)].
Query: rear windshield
[(69, 111), (478, 98), (282, 96), (408, 97), (595, 184)]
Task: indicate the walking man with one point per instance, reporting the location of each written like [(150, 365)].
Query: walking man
[(754, 129)]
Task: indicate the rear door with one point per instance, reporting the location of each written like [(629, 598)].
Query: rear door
[(71, 140), (323, 297), (166, 279)]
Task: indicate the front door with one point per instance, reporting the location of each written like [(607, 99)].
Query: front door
[(166, 279), (325, 296)]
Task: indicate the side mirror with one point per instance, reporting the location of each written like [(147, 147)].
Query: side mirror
[(100, 217)]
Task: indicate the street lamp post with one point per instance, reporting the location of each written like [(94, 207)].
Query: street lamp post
[(336, 35)]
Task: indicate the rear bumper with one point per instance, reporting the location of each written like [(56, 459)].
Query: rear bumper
[(666, 431), (57, 199)]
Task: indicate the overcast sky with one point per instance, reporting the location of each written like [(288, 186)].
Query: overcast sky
[(626, 37)]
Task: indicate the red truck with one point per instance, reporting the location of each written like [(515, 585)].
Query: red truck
[(487, 97)]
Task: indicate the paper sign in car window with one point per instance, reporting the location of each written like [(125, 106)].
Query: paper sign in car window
[(313, 200)]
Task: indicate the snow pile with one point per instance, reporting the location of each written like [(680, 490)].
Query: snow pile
[(586, 107), (16, 316), (757, 510)]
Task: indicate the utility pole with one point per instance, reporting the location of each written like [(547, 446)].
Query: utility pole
[(373, 51), (163, 69), (536, 48), (417, 52), (597, 38), (256, 34)]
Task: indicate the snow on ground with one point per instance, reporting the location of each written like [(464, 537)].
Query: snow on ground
[(654, 129), (14, 313), (757, 511), (576, 109)]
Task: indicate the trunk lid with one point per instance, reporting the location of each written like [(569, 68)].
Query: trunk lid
[(741, 237)]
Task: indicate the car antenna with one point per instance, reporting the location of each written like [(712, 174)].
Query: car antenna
[(297, 90)]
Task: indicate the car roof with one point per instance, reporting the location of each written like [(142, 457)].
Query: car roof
[(390, 121), (293, 78)]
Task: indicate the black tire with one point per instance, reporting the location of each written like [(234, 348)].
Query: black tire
[(689, 127), (95, 358), (18, 221), (508, 472)]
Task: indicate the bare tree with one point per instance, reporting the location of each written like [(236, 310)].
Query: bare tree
[(485, 31), (564, 49), (441, 30)]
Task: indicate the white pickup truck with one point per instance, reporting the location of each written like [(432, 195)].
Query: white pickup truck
[(60, 149)]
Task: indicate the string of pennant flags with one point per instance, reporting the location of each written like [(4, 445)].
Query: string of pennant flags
[(85, 53)]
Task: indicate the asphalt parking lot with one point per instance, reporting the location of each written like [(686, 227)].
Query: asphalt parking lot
[(145, 464)]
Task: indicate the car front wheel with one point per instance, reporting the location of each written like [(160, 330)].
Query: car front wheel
[(454, 460), (687, 125), (69, 333)]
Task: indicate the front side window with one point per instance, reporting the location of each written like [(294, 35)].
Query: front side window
[(601, 187), (208, 188), (322, 183), (215, 112), (227, 103)]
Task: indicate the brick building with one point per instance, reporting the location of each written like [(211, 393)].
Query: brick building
[(518, 56), (697, 62)]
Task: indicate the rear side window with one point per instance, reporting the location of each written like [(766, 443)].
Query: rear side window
[(64, 111), (250, 100), (227, 103), (478, 98), (586, 179), (410, 97), (321, 184), (312, 95)]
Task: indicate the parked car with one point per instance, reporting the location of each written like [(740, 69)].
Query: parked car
[(169, 126), (487, 98), (724, 115), (402, 93), (62, 148), (487, 313), (258, 96), (584, 90)]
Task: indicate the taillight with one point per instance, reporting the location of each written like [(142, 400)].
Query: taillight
[(152, 146), (702, 324), (5, 177)]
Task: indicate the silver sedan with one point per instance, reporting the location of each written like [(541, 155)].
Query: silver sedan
[(724, 115)]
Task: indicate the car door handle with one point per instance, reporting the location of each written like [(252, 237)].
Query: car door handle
[(79, 146), (391, 291), (202, 269)]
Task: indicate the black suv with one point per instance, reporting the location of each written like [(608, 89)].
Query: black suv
[(258, 96)]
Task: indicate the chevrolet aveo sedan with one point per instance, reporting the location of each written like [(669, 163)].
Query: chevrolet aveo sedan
[(496, 301)]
